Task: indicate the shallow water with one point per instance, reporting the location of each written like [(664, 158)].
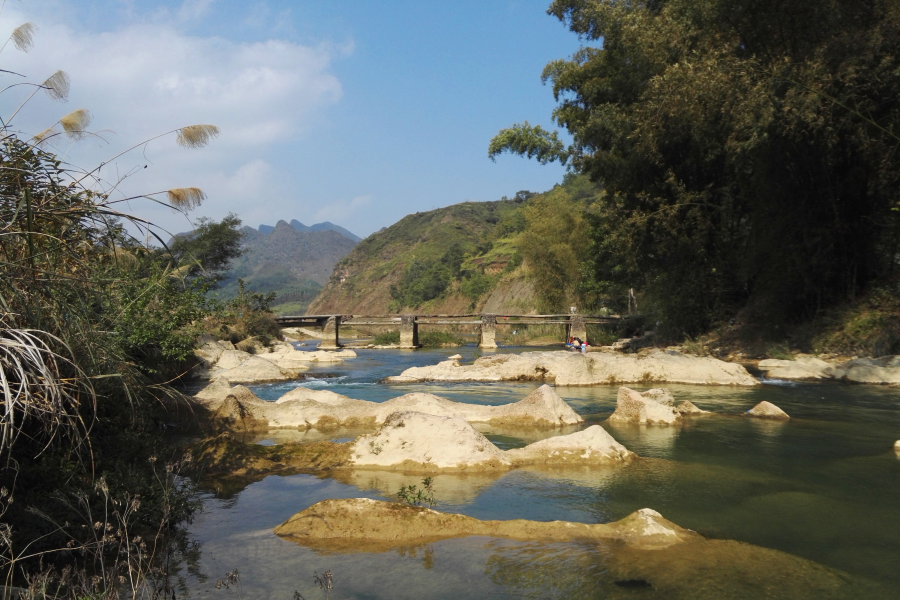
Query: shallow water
[(824, 486)]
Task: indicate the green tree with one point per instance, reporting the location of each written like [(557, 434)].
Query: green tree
[(747, 149), (208, 250)]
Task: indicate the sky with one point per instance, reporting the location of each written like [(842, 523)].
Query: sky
[(357, 112)]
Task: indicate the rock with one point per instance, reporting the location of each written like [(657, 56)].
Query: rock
[(801, 368), (661, 395), (687, 408), (884, 370), (237, 366), (634, 407), (411, 439), (303, 407), (455, 357), (417, 441), (366, 524), (589, 446), (767, 410), (213, 395), (897, 446), (566, 368)]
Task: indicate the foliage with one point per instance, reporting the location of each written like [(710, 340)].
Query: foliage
[(92, 321), (398, 268), (424, 281), (388, 338), (410, 494), (209, 249), (437, 339), (746, 149)]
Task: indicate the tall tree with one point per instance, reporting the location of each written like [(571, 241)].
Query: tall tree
[(748, 149)]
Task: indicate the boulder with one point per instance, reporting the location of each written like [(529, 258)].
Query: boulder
[(807, 367), (241, 367), (213, 395), (362, 523), (589, 446), (687, 408), (634, 407), (567, 368), (417, 441), (767, 410), (884, 370), (897, 446), (303, 407), (410, 440)]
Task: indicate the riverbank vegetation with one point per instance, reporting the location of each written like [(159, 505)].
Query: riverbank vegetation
[(747, 154), (95, 325)]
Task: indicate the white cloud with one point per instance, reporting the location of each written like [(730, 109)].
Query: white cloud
[(147, 78)]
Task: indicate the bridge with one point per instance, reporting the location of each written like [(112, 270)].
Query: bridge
[(576, 325)]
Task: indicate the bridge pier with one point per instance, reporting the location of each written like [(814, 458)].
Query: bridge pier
[(577, 328), (409, 332), (331, 334), (488, 332)]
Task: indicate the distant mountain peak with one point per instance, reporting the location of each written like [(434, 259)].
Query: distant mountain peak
[(324, 226)]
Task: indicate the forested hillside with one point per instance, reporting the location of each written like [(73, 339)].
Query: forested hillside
[(292, 260), (513, 255)]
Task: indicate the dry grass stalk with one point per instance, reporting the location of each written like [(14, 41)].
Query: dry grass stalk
[(75, 123), (185, 198), (33, 386), (23, 36), (57, 85), (196, 136)]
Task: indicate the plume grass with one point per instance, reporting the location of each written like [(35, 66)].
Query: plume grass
[(196, 136), (185, 198), (23, 36), (75, 123), (57, 86)]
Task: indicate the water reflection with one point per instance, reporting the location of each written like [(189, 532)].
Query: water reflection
[(657, 439)]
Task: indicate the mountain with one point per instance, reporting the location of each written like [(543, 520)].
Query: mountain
[(324, 226), (288, 260), (455, 259)]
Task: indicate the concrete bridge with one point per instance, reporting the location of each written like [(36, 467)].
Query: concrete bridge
[(576, 325)]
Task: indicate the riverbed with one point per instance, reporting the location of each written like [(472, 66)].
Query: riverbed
[(824, 486)]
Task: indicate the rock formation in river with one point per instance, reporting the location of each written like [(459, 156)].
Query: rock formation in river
[(767, 410), (642, 555), (565, 368), (636, 407), (884, 370), (303, 407), (361, 522), (417, 441), (280, 362)]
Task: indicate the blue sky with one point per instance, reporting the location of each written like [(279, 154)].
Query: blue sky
[(357, 112)]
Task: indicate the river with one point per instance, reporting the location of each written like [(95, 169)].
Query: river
[(824, 486)]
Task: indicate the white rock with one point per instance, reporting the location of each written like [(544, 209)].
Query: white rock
[(591, 445), (410, 438), (767, 410), (687, 408), (807, 367), (634, 407), (566, 368), (870, 370), (303, 407)]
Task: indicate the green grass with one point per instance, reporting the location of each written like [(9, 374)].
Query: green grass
[(434, 339), (387, 339)]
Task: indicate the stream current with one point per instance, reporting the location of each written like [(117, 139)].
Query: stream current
[(824, 486)]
